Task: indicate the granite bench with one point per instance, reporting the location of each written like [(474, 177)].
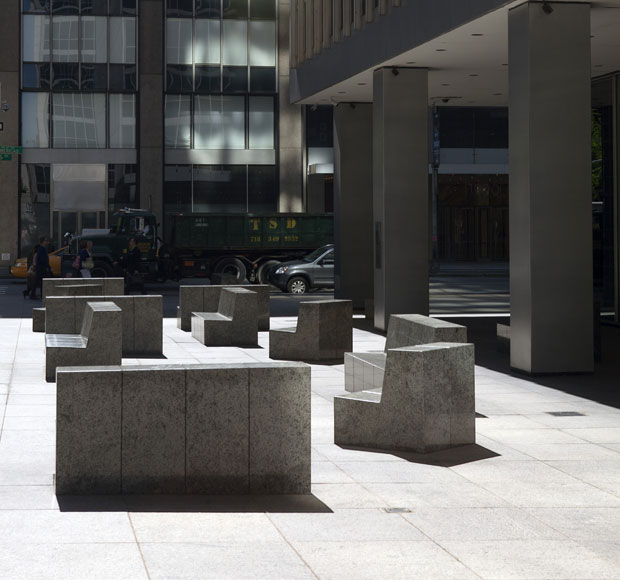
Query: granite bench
[(364, 370), (207, 299), (234, 324), (200, 429), (503, 338), (324, 332), (99, 341), (142, 320), (426, 403)]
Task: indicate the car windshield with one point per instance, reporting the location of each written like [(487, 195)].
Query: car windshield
[(312, 256)]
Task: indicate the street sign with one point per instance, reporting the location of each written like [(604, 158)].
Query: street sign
[(5, 157), (10, 149)]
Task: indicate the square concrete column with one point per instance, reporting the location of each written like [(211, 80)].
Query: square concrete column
[(400, 191), (550, 189), (353, 202)]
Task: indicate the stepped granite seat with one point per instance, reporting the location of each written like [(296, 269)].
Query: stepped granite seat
[(196, 429), (426, 403), (365, 370), (99, 341), (324, 332), (142, 320), (234, 324), (207, 299)]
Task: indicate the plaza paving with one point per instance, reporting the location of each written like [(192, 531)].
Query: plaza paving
[(538, 497)]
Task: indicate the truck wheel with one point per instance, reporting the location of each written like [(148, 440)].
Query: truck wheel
[(263, 271), (101, 270), (232, 266), (297, 285)]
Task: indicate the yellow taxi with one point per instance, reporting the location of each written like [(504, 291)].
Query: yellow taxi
[(20, 268)]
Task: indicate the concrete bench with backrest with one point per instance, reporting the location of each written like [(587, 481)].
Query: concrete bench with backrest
[(100, 341), (142, 320), (234, 324), (201, 429), (324, 332), (207, 299), (426, 403), (364, 370)]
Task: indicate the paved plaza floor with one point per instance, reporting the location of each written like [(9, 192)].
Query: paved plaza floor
[(538, 496)]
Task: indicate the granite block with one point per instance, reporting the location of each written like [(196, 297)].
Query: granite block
[(217, 447), (88, 431), (60, 315), (148, 313), (190, 300), (113, 286), (280, 429), (153, 430), (212, 295), (38, 320), (414, 329)]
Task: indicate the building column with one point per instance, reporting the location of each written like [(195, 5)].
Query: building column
[(151, 105), (551, 323), (10, 26), (400, 191), (353, 202)]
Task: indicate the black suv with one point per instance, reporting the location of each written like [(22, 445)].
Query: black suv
[(316, 270)]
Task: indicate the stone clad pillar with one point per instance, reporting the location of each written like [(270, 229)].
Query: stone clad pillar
[(400, 190), (551, 324), (353, 202)]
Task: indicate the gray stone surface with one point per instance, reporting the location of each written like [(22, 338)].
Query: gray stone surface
[(38, 320), (100, 341), (153, 431), (426, 403), (217, 448), (148, 325), (89, 412), (280, 429), (235, 323), (191, 299), (111, 286), (324, 332)]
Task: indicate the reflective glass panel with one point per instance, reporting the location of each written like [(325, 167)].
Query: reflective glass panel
[(65, 38), (262, 192), (219, 122), (179, 78), (122, 121), (234, 42), (207, 79), (263, 79), (35, 204), (177, 192), (178, 41), (261, 123), (178, 121), (183, 8), (78, 120), (123, 77), (208, 8), (235, 79), (207, 42), (94, 39), (94, 77), (35, 119), (219, 188), (37, 6), (65, 76), (65, 6), (36, 76), (123, 40), (95, 7), (123, 7), (262, 9), (263, 43), (35, 38), (235, 8), (122, 186)]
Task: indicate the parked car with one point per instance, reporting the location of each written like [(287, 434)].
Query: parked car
[(20, 268), (316, 270)]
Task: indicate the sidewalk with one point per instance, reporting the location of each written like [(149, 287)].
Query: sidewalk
[(537, 498)]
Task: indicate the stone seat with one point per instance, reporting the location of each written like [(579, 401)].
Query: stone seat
[(107, 286), (324, 332), (365, 370), (234, 324), (99, 342), (426, 402)]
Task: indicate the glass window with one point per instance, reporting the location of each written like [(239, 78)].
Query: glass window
[(178, 41), (219, 122), (122, 190), (65, 6), (262, 9), (35, 119), (263, 43), (37, 6), (183, 8), (65, 38), (319, 126), (35, 204), (208, 8), (235, 8), (262, 192), (262, 79), (123, 40), (261, 123), (94, 77), (123, 7), (179, 78), (219, 188), (36, 38), (207, 42), (235, 79), (78, 120), (177, 192), (36, 76), (456, 127), (122, 121), (123, 77), (207, 79), (95, 7), (94, 39), (234, 42), (178, 121), (66, 76), (491, 128)]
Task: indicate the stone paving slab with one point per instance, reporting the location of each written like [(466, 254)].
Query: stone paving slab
[(537, 498)]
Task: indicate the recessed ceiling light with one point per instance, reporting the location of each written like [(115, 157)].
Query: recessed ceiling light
[(497, 94), (473, 75), (477, 34), (440, 50), (445, 84), (361, 84), (342, 92), (504, 64), (411, 62)]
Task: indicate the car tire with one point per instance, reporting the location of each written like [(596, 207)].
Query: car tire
[(297, 285), (263, 271)]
